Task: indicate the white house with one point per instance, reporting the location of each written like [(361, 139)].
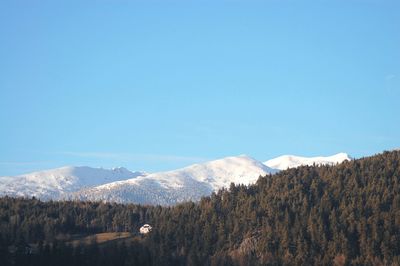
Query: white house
[(145, 229)]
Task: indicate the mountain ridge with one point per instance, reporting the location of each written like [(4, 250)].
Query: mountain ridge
[(119, 184), (184, 184), (290, 161), (54, 183)]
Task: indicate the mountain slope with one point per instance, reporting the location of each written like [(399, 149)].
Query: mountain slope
[(290, 161), (55, 183), (346, 215), (189, 183)]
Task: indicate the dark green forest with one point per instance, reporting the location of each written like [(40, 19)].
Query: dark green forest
[(348, 214)]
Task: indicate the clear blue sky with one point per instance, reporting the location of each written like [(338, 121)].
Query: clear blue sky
[(155, 85)]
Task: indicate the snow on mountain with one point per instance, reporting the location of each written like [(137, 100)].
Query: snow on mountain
[(55, 183), (290, 161), (189, 183), (164, 188)]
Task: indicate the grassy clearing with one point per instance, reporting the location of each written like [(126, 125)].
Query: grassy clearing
[(100, 238)]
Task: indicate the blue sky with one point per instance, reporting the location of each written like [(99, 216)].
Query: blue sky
[(155, 85)]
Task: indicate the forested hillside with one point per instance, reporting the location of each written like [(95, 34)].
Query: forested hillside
[(348, 214)]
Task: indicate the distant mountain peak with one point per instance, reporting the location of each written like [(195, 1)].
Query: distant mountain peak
[(54, 183), (290, 161)]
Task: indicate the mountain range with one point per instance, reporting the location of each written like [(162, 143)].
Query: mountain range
[(163, 188)]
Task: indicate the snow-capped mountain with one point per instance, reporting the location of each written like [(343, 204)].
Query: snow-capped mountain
[(290, 161), (189, 183), (164, 188), (55, 183)]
